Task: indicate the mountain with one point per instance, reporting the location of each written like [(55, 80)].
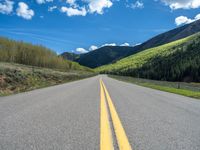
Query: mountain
[(173, 35), (107, 55), (175, 61), (103, 55), (70, 56), (34, 55)]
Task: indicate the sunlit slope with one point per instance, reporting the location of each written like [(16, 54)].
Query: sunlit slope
[(175, 61), (34, 55), (110, 54)]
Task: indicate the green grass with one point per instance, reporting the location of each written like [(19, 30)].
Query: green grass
[(16, 78), (174, 90), (185, 89)]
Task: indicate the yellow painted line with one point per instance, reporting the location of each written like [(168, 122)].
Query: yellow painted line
[(122, 139), (106, 141)]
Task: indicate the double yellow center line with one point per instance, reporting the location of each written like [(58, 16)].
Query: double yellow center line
[(106, 140)]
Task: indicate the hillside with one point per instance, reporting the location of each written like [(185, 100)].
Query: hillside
[(175, 61), (104, 55), (107, 55), (70, 56), (173, 35), (28, 54)]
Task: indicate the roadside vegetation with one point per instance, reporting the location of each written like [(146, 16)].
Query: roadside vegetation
[(15, 78), (175, 61), (181, 88), (25, 67), (33, 55)]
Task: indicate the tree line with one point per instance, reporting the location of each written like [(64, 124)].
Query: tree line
[(34, 55)]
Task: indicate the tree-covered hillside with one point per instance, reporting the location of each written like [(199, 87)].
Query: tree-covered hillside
[(175, 61), (106, 55), (103, 55), (28, 54), (70, 56)]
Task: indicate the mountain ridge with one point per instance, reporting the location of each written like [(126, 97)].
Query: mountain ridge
[(108, 55), (175, 61)]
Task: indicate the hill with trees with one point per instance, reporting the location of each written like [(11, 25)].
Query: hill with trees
[(33, 55), (175, 61), (106, 55), (70, 56)]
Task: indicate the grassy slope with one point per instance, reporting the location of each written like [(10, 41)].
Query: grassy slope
[(139, 59), (159, 59), (15, 78), (185, 89)]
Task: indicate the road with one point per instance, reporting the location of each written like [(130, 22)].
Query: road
[(76, 115)]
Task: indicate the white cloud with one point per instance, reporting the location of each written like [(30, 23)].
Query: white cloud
[(74, 11), (182, 4), (125, 44), (70, 7), (93, 47), (43, 1), (6, 7), (90, 6), (137, 44), (197, 17), (81, 50), (137, 4), (40, 1), (110, 44), (99, 5), (71, 2), (24, 11), (185, 20), (182, 20), (52, 8)]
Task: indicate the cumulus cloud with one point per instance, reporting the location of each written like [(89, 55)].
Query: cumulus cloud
[(185, 20), (40, 1), (125, 44), (182, 20), (93, 47), (24, 11), (109, 44), (97, 6), (137, 4), (6, 7), (90, 6), (137, 44), (52, 8), (70, 7), (182, 4), (71, 2), (70, 11), (81, 50), (43, 1)]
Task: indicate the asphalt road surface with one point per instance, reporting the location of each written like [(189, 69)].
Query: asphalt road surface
[(69, 117)]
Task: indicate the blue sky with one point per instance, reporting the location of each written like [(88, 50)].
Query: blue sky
[(83, 25)]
